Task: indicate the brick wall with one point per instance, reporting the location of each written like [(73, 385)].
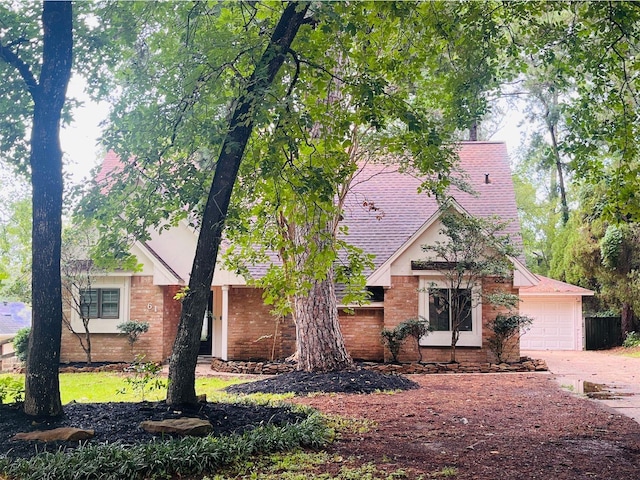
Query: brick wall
[(361, 332), (148, 303), (171, 314), (401, 303), (252, 330), (490, 285)]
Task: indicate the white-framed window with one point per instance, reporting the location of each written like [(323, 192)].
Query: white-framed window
[(435, 300), (100, 303), (106, 304)]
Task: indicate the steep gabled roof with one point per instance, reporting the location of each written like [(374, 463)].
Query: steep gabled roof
[(384, 208)]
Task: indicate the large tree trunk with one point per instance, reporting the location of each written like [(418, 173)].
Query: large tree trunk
[(185, 349), (319, 342), (42, 388)]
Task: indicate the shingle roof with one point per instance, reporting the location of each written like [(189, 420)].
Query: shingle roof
[(384, 209), (400, 210), (548, 286), (13, 317)]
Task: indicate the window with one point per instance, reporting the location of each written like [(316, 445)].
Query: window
[(443, 302), (436, 300), (100, 303)]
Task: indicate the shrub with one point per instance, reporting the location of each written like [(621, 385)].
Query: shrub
[(188, 457), (21, 343), (11, 389), (415, 328), (632, 340), (133, 329), (144, 376), (506, 328)]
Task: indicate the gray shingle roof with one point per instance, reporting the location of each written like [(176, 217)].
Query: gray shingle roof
[(13, 317), (400, 210)]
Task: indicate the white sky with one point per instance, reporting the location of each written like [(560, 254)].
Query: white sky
[(79, 140)]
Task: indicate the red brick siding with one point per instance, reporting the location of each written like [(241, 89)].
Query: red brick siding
[(172, 310), (361, 332), (149, 303), (489, 313), (401, 303), (401, 300), (252, 329)]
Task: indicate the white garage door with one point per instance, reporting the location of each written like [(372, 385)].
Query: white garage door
[(554, 325)]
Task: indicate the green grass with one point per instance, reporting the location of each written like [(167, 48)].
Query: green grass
[(635, 354), (103, 387)]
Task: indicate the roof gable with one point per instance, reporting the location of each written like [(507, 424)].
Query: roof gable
[(384, 210)]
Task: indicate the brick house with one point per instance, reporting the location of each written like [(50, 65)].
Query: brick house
[(238, 324)]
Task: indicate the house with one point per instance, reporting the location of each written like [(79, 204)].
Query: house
[(239, 326), (14, 316)]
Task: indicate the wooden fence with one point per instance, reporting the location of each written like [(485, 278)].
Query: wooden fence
[(602, 332)]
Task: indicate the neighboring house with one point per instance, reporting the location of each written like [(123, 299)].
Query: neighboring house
[(388, 218), (13, 317)]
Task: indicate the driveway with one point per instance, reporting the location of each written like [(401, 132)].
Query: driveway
[(609, 379)]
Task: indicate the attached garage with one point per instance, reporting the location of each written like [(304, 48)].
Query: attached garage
[(556, 309)]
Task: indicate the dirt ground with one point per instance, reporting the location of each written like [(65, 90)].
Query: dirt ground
[(486, 426), (504, 426)]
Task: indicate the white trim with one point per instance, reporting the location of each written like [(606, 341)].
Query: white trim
[(107, 325), (443, 338), (381, 276), (225, 323)]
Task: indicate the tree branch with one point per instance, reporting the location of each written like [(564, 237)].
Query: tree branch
[(25, 71)]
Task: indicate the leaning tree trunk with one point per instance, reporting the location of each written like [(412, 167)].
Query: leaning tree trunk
[(185, 349), (319, 342), (42, 387)]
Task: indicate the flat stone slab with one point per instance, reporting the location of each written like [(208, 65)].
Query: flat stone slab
[(186, 426), (64, 434)]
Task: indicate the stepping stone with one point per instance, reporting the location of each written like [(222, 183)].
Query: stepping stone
[(187, 426), (64, 434)]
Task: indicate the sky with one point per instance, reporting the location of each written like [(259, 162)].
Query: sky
[(79, 141)]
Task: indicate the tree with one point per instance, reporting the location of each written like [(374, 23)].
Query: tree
[(345, 110), (472, 249), (601, 255), (15, 241), (185, 352), (44, 80)]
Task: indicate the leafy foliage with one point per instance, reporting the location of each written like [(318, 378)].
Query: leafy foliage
[(143, 377), (415, 328), (505, 329), (21, 343), (189, 456), (133, 329), (11, 389), (632, 340)]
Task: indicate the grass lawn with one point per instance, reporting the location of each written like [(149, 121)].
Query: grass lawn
[(105, 387)]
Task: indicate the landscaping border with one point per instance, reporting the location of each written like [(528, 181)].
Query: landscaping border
[(525, 364)]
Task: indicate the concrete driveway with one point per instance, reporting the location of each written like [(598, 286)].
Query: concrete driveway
[(609, 379)]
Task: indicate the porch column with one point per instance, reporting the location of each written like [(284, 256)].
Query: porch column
[(225, 322)]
